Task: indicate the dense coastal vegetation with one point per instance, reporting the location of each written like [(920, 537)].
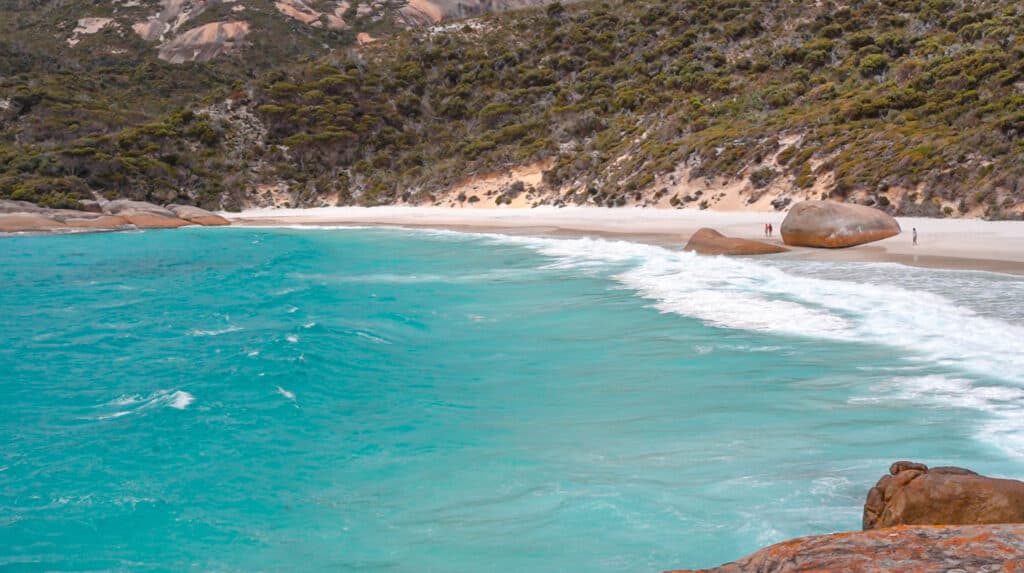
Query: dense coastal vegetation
[(916, 106)]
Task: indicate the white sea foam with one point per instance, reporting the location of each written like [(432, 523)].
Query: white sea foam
[(177, 399), (217, 332), (287, 394), (114, 415), (1004, 426), (181, 400), (292, 338), (371, 338)]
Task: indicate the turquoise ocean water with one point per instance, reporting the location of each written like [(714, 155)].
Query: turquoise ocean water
[(393, 400)]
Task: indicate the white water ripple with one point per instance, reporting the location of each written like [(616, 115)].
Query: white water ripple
[(136, 403)]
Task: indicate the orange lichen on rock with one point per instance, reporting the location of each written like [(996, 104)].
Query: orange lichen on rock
[(902, 549)]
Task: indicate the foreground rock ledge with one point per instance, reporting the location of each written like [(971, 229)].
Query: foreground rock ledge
[(912, 494), (708, 241), (902, 549), (834, 225)]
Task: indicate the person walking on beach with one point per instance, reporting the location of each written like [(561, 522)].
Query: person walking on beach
[(766, 229), (915, 236), (771, 229)]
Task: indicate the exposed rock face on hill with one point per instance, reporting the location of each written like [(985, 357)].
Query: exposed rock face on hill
[(833, 225), (903, 549), (171, 23), (205, 42), (710, 242), (914, 495)]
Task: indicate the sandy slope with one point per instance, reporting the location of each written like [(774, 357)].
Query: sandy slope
[(943, 243)]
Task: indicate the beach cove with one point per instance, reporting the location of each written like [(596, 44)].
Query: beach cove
[(379, 397)]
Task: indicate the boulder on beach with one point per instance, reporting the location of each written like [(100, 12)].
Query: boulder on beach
[(198, 216), (912, 494), (834, 225), (902, 549), (144, 215), (708, 241)]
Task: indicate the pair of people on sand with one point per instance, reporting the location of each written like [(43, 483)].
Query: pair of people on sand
[(768, 229)]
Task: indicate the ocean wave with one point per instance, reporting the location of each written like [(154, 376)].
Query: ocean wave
[(933, 325), (129, 404), (741, 294), (218, 332), (1003, 428), (372, 338)]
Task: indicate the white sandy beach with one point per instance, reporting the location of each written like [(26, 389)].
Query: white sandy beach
[(943, 243)]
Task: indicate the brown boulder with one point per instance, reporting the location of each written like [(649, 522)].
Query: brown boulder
[(902, 549), (144, 215), (28, 223), (914, 495), (198, 216), (710, 242), (834, 225), (98, 222)]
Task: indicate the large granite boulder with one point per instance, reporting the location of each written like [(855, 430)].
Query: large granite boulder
[(833, 225), (28, 223), (710, 242), (902, 549), (914, 495), (144, 215), (90, 205), (88, 220), (59, 220), (198, 216)]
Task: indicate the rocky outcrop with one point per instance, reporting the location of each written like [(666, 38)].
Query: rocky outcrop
[(24, 217), (12, 206), (204, 43), (144, 215), (710, 242), (28, 223), (833, 225), (902, 549), (58, 220), (912, 494), (198, 216)]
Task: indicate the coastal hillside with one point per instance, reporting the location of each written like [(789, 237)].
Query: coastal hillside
[(913, 106)]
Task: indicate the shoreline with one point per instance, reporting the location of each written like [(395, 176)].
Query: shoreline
[(953, 244)]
